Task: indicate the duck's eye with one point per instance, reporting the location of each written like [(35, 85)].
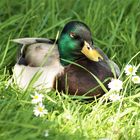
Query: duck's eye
[(88, 48), (72, 35)]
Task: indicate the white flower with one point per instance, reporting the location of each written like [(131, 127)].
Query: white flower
[(67, 115), (114, 97), (136, 79), (39, 110), (37, 98), (104, 138), (115, 85), (111, 119), (46, 133), (130, 70)]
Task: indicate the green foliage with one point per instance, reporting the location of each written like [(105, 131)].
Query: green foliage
[(115, 29)]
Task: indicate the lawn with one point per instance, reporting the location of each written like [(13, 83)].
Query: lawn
[(115, 27)]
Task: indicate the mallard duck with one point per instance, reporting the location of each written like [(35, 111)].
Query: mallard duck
[(76, 59)]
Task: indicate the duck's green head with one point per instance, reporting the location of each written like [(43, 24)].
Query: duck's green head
[(76, 42)]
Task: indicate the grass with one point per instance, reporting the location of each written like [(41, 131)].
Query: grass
[(115, 29)]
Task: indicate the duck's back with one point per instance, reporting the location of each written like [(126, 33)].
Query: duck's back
[(38, 63)]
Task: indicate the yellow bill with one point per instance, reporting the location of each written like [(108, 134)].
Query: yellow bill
[(91, 53)]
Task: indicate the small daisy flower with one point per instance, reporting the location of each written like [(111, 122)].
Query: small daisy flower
[(114, 97), (104, 138), (136, 79), (68, 116), (46, 133), (37, 98), (115, 85), (111, 119), (130, 70), (39, 110)]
